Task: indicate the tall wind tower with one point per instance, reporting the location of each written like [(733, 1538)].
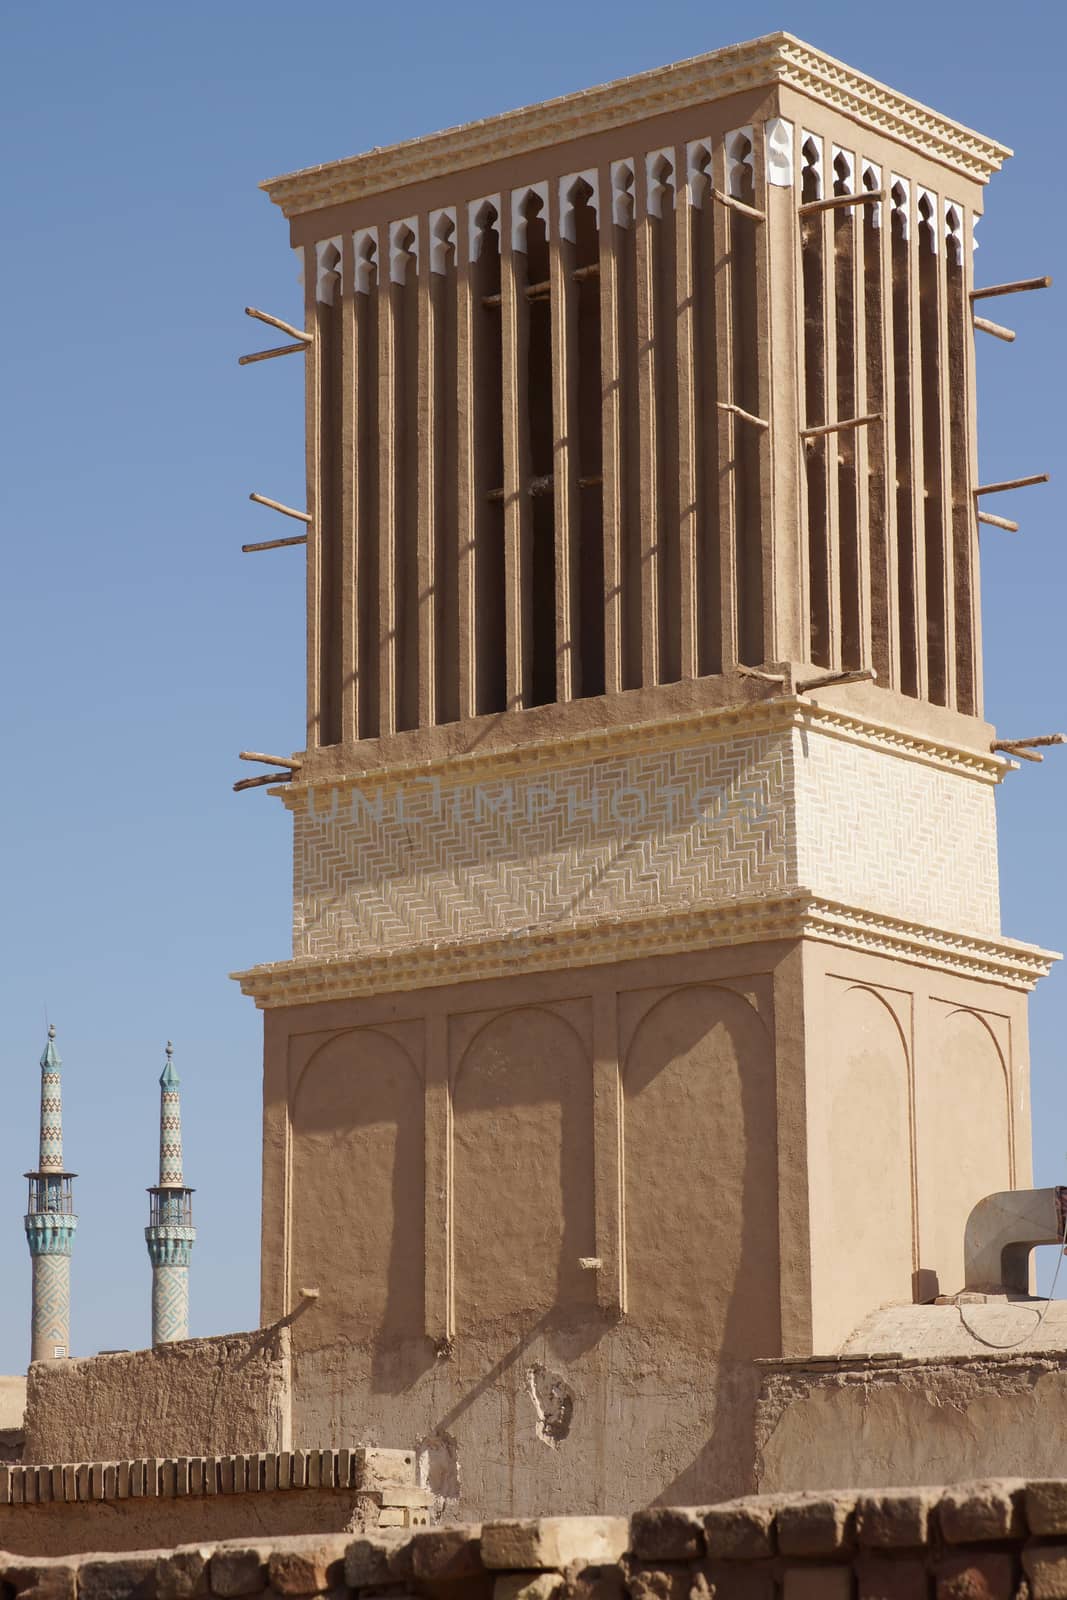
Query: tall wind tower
[(170, 1233), (648, 1012), (50, 1219)]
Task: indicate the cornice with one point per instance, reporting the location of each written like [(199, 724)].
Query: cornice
[(777, 713), (773, 59), (307, 981)]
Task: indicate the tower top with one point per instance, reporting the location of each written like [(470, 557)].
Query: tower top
[(170, 1125), (775, 59), (50, 1059), (50, 1159), (168, 1078)]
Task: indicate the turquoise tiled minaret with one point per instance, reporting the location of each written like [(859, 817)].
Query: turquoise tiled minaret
[(50, 1219), (170, 1233)]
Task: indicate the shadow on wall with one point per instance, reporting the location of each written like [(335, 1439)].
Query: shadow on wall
[(702, 1207), (699, 1197)]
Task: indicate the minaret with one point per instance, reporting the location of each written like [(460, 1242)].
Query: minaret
[(50, 1220), (170, 1233)]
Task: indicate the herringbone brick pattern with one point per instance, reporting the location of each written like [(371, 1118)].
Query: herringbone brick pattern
[(591, 839), (897, 836), (755, 814)]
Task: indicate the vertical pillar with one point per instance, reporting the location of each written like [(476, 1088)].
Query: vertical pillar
[(170, 1235), (50, 1220)]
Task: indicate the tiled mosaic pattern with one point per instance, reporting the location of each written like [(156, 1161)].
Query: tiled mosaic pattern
[(51, 1306), (170, 1304), (700, 825)]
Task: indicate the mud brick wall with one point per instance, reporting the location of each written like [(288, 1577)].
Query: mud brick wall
[(53, 1510), (990, 1540)]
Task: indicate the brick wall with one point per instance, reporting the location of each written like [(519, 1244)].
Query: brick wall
[(991, 1540), (52, 1510)]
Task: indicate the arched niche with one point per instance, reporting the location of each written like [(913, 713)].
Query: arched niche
[(860, 1163), (522, 1170), (358, 1189), (701, 1211), (965, 1134)]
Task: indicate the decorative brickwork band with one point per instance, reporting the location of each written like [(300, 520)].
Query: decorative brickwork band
[(170, 1234), (50, 1220)]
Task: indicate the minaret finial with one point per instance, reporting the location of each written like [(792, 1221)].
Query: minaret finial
[(170, 1234), (50, 1218)]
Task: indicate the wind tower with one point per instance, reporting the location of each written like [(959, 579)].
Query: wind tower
[(50, 1219), (170, 1234), (648, 1012)]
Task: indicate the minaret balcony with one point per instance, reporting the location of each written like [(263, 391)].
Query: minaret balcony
[(50, 1233)]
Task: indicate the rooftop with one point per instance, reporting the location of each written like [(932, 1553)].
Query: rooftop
[(776, 58)]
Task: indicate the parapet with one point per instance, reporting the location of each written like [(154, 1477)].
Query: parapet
[(56, 1509), (197, 1397)]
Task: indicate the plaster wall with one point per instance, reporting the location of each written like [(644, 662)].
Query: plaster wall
[(917, 1105), (885, 1422), (555, 1219), (197, 1397), (12, 1402)]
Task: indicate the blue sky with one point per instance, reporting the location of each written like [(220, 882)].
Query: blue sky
[(140, 651)]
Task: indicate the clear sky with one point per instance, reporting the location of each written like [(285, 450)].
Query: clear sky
[(140, 651)]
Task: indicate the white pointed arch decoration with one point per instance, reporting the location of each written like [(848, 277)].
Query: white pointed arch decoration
[(740, 162), (519, 199), (811, 156), (365, 257), (927, 210), (482, 216), (953, 233), (442, 229), (778, 133), (567, 186), (327, 270), (622, 193), (661, 180), (698, 173), (871, 179), (403, 247), (843, 172)]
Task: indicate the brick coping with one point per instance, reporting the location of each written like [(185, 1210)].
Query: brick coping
[(359, 1468)]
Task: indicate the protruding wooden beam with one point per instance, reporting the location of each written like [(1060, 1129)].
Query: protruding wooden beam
[(840, 427), (276, 322), (998, 522), (1021, 286), (827, 680), (276, 505), (1020, 747), (733, 204), (268, 355), (270, 761), (866, 197), (1012, 483), (274, 544), (258, 783), (739, 411), (997, 329)]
